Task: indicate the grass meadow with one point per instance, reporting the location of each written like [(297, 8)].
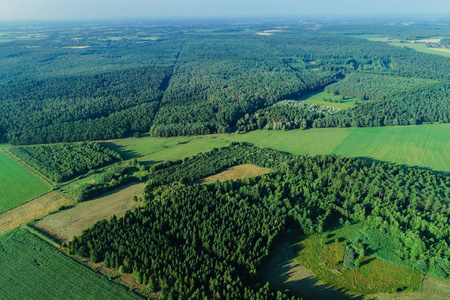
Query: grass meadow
[(323, 255), (33, 269), (235, 173), (18, 184), (426, 146)]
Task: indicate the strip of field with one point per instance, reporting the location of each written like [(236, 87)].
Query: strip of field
[(423, 48), (426, 146), (31, 210), (70, 222), (18, 184), (155, 150), (32, 269), (236, 172)]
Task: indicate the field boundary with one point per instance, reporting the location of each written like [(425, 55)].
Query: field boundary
[(17, 216), (42, 235)]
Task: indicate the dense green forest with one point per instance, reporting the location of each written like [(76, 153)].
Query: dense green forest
[(90, 83), (285, 115), (60, 162), (231, 226)]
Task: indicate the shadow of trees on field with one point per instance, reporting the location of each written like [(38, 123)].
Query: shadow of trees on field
[(371, 160), (284, 273), (121, 149), (310, 287)]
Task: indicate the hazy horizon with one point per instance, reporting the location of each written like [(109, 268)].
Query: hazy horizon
[(49, 10)]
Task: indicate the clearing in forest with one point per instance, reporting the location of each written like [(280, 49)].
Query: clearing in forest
[(324, 255), (282, 271), (236, 172), (70, 222), (326, 99), (31, 210), (33, 269), (18, 183)]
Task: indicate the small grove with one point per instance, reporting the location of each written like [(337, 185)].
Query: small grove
[(192, 240), (60, 162)]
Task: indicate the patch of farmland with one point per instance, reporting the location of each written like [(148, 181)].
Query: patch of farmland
[(31, 210), (236, 172), (18, 184), (72, 221), (32, 269), (422, 145)]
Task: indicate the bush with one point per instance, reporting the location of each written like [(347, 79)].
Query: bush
[(349, 259)]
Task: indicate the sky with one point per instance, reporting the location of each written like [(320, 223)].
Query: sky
[(127, 9)]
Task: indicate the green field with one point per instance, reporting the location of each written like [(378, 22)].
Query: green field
[(426, 146), (32, 269), (422, 146), (155, 150), (318, 99), (18, 184), (420, 47), (323, 255), (423, 48)]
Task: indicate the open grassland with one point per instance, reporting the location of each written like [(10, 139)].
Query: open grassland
[(426, 146), (337, 101), (31, 210), (236, 172), (18, 184), (298, 142), (32, 269), (323, 255), (154, 150), (422, 146), (70, 222), (423, 48)]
